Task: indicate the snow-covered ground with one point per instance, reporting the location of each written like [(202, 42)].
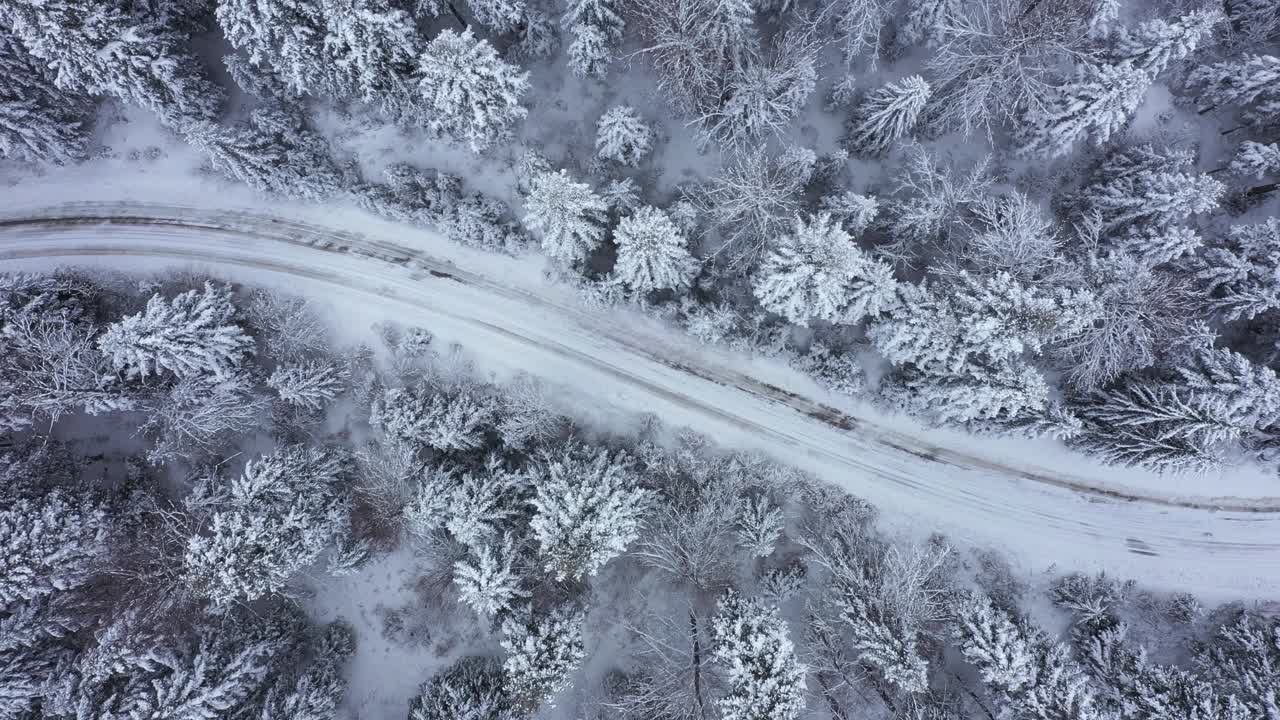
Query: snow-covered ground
[(1216, 536)]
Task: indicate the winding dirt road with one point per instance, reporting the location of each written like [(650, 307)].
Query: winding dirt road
[(1221, 547)]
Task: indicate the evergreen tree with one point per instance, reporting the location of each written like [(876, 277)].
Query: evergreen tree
[(484, 503), (287, 35), (760, 526), (855, 212), (1007, 390), (265, 526), (1244, 660), (38, 121), (1252, 82), (1153, 45), (310, 385), (587, 510), (53, 543), (470, 92), (817, 272), (569, 216), (622, 136), (1098, 102), (486, 580), (651, 252), (98, 48), (1256, 160), (528, 416), (751, 646), (501, 15), (888, 115), (421, 416), (589, 53), (1239, 270), (370, 48), (1033, 677), (542, 651), (316, 694), (472, 688), (597, 27), (191, 334), (272, 153)]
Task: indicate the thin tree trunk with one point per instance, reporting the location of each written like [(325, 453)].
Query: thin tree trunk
[(457, 15), (1228, 132), (697, 662), (977, 701), (1262, 189), (836, 711)]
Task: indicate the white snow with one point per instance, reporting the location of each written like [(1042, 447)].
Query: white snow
[(1044, 506)]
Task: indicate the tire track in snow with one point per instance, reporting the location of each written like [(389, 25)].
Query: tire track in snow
[(889, 456)]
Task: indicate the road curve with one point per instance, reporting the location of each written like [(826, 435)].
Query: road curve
[(1222, 547)]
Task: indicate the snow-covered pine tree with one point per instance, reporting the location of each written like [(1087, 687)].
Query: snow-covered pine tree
[(500, 15), (528, 416), (266, 525), (1154, 44), (1253, 21), (483, 503), (310, 384), (470, 92), (887, 115), (588, 509), (272, 153), (38, 121), (1253, 81), (1256, 160), (537, 37), (568, 215), (818, 272), (53, 543), (623, 136), (760, 525), (1243, 659), (751, 647), (285, 35), (589, 53), (472, 688), (370, 49), (597, 26), (854, 211), (542, 651), (1005, 390), (925, 22), (651, 252), (486, 580), (1134, 688), (99, 48), (316, 693), (194, 333), (1159, 425), (422, 416), (1239, 270), (1098, 102), (1034, 677)]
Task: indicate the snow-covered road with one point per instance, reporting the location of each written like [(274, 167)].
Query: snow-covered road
[(1221, 547)]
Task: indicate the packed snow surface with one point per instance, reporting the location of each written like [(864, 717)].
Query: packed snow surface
[(1216, 536)]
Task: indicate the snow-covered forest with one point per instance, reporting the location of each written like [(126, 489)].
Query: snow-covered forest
[(192, 468), (1046, 218), (1012, 216)]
